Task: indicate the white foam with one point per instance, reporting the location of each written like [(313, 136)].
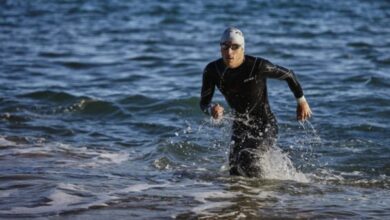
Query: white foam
[(141, 187), (137, 188), (60, 198), (201, 196), (202, 209), (7, 193), (42, 151), (100, 158), (4, 142), (162, 163), (326, 175), (114, 157), (207, 205), (69, 186), (277, 165), (70, 155)]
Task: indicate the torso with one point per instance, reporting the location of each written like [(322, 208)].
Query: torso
[(244, 87)]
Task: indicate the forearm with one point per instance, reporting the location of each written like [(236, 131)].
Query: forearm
[(207, 93), (294, 85), (281, 73)]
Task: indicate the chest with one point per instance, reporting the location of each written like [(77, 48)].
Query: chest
[(241, 81)]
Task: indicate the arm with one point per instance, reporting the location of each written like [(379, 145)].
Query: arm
[(207, 92), (281, 73)]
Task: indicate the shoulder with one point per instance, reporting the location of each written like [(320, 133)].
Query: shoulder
[(256, 59), (263, 63), (213, 63), (256, 62), (212, 66)]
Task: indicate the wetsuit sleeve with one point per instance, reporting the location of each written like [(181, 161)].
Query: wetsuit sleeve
[(208, 87), (277, 72)]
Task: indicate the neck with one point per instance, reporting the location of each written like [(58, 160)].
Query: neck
[(239, 62)]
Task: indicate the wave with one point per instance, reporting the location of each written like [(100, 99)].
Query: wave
[(145, 104), (92, 107), (360, 44), (14, 118), (352, 178), (146, 58), (374, 81), (49, 102), (62, 198), (78, 65), (62, 102), (54, 54), (49, 95), (383, 60)]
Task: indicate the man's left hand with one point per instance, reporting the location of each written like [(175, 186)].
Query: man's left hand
[(303, 111)]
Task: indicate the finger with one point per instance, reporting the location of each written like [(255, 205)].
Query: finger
[(215, 113), (304, 116), (309, 113)]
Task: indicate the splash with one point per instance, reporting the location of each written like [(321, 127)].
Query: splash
[(274, 163), (277, 165)]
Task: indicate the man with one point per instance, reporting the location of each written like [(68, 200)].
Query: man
[(242, 81)]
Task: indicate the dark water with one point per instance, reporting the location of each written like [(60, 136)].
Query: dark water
[(99, 113)]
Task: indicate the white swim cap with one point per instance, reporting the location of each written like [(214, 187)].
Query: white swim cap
[(234, 35)]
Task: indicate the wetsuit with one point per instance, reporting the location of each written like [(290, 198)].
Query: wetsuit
[(245, 90)]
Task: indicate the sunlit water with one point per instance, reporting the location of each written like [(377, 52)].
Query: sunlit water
[(99, 114)]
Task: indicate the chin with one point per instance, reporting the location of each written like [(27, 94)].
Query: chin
[(229, 63)]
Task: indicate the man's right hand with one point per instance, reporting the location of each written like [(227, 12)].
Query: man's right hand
[(303, 111), (217, 111)]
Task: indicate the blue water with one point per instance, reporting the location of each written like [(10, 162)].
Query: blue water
[(99, 113)]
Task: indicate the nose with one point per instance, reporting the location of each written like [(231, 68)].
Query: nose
[(230, 51)]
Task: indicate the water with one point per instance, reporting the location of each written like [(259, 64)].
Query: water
[(99, 113)]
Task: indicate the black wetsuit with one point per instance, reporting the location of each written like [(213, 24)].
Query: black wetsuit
[(245, 90)]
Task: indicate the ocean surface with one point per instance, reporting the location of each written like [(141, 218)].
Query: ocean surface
[(99, 113)]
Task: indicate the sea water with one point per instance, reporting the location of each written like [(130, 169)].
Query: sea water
[(100, 118)]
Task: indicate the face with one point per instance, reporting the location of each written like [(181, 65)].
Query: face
[(232, 54)]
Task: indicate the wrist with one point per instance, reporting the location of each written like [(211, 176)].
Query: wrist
[(301, 100)]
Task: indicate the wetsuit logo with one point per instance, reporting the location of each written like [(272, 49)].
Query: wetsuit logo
[(249, 79)]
